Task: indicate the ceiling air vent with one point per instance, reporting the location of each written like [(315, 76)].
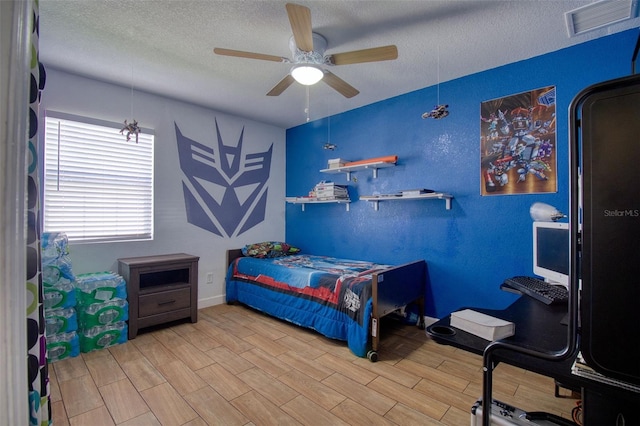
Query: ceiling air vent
[(599, 14)]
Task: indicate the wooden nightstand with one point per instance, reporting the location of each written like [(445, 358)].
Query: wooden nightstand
[(160, 289)]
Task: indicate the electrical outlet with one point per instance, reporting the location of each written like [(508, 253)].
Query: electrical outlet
[(210, 278)]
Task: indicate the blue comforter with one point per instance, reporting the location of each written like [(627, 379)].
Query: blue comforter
[(332, 296)]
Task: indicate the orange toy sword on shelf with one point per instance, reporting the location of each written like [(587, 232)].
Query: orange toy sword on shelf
[(385, 159)]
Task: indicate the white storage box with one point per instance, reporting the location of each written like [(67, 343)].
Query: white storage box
[(335, 163)]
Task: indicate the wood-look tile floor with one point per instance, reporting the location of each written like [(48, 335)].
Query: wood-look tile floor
[(236, 366)]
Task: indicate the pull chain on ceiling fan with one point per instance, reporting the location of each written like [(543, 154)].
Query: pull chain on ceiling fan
[(308, 57)]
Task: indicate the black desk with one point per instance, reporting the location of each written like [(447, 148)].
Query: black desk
[(538, 327)]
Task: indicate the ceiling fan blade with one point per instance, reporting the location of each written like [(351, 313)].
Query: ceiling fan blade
[(375, 54), (250, 55), (300, 20), (339, 85), (281, 86)]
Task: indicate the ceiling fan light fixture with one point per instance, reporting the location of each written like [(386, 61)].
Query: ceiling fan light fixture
[(307, 74)]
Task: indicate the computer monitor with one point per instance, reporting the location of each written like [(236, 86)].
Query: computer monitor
[(551, 252)]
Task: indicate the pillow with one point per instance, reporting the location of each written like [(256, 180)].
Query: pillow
[(269, 249)]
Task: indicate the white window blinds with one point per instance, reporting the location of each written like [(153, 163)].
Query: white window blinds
[(98, 186)]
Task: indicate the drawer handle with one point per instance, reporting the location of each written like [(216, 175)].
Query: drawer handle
[(166, 303)]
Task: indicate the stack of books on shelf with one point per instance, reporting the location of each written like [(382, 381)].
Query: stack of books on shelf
[(329, 191), (416, 192), (323, 191), (580, 368), (378, 196)]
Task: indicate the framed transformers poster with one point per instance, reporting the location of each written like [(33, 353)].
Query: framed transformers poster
[(518, 143)]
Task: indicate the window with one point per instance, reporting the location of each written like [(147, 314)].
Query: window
[(98, 186)]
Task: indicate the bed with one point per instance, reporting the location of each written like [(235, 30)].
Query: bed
[(341, 299)]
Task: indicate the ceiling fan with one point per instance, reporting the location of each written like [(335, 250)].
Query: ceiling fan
[(308, 58)]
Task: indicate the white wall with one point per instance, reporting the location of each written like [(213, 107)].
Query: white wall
[(173, 234)]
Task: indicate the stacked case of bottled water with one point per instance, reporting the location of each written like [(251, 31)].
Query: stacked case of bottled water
[(102, 310), (83, 312), (59, 297)]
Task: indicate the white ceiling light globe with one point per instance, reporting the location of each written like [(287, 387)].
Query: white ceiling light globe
[(307, 74)]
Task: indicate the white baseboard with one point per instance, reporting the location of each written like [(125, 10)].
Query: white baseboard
[(429, 320), (211, 301)]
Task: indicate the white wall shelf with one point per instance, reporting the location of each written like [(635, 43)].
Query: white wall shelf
[(303, 201), (374, 166), (375, 199)]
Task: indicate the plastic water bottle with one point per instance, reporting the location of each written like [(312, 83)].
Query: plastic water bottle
[(100, 287), (60, 321), (103, 313), (61, 295), (63, 345), (103, 336)]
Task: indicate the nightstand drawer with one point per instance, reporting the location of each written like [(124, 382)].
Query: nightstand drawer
[(165, 301)]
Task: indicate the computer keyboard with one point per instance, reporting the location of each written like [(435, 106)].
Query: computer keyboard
[(544, 292)]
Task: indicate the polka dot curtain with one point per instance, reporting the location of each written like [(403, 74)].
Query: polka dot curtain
[(39, 399)]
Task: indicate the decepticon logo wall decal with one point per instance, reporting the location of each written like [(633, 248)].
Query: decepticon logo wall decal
[(225, 189)]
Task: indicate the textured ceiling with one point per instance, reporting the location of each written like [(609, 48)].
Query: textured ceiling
[(166, 47)]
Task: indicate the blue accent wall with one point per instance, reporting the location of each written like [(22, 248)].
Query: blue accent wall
[(471, 248)]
